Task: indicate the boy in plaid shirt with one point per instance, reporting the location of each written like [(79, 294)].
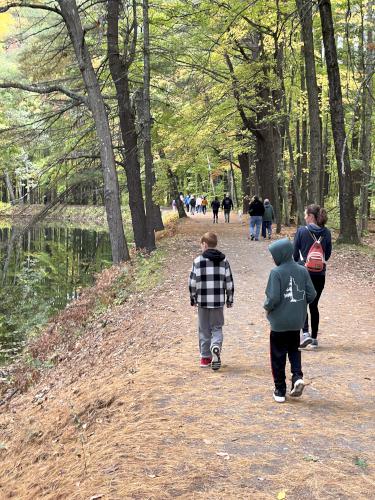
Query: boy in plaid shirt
[(210, 286)]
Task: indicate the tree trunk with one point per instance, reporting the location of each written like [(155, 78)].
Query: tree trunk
[(286, 124), (119, 71), (147, 148), (243, 160), (265, 168), (9, 186), (367, 107), (348, 229), (325, 172), (72, 20), (305, 14), (233, 184), (176, 195), (304, 161)]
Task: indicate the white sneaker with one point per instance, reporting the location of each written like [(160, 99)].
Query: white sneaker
[(278, 396), (216, 361), (306, 340), (297, 388)]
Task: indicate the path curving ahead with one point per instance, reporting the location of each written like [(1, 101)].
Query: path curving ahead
[(139, 418)]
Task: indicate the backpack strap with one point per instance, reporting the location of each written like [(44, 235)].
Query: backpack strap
[(311, 234), (319, 240)]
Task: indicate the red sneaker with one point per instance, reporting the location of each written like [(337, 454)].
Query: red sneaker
[(205, 362)]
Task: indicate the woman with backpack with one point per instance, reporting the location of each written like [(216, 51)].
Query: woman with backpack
[(312, 248)]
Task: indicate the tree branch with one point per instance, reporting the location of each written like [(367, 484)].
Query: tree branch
[(41, 89), (30, 6)]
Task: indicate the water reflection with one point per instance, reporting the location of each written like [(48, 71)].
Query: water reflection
[(40, 272)]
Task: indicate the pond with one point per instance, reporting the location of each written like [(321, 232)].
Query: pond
[(40, 272)]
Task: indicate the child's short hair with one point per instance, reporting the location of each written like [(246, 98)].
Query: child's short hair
[(210, 239)]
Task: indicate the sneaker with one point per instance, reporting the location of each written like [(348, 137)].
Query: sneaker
[(216, 361), (314, 344), (205, 362), (306, 340), (252, 237), (278, 396), (297, 388)]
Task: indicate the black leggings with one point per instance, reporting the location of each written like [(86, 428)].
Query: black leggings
[(318, 282)]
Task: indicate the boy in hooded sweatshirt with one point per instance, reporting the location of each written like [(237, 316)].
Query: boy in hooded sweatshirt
[(288, 292), (210, 286), (268, 218)]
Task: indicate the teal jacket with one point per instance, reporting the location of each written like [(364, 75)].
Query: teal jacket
[(268, 215), (288, 291)]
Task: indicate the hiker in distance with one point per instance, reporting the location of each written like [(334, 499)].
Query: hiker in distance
[(204, 205), (267, 219), (192, 203), (187, 202), (227, 205), (288, 292), (256, 211), (306, 236), (215, 205), (211, 286)]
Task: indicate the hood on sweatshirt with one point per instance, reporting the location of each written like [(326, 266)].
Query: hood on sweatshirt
[(215, 255), (317, 230), (281, 251)]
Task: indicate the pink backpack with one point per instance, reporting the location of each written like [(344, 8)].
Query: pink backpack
[(315, 258)]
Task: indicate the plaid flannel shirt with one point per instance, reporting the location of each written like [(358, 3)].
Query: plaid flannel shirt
[(209, 282)]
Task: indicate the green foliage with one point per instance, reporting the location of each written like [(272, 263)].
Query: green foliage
[(195, 112), (361, 462)]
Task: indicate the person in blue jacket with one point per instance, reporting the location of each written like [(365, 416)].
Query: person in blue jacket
[(289, 290), (316, 219)]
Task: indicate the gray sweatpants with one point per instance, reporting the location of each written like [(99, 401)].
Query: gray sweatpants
[(210, 322)]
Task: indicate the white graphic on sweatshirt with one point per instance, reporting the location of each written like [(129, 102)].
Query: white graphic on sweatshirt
[(293, 292)]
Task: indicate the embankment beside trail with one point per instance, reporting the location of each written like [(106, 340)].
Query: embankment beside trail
[(128, 413)]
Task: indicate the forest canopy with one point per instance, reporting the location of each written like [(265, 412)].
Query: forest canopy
[(124, 102)]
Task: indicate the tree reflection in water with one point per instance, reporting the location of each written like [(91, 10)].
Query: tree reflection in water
[(40, 272)]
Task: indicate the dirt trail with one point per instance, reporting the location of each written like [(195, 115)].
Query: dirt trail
[(133, 416)]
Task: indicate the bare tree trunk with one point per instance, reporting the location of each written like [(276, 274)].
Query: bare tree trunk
[(305, 14), (325, 172), (298, 146), (348, 229), (119, 68), (367, 107), (233, 183), (304, 162), (72, 20), (147, 148), (243, 160), (9, 186), (176, 195)]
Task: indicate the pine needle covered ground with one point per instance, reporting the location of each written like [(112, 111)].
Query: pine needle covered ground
[(128, 413)]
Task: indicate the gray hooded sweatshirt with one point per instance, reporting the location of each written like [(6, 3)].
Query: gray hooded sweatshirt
[(288, 291)]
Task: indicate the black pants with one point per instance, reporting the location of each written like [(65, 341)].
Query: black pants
[(226, 214), (318, 282), (266, 227), (216, 216), (281, 344)]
